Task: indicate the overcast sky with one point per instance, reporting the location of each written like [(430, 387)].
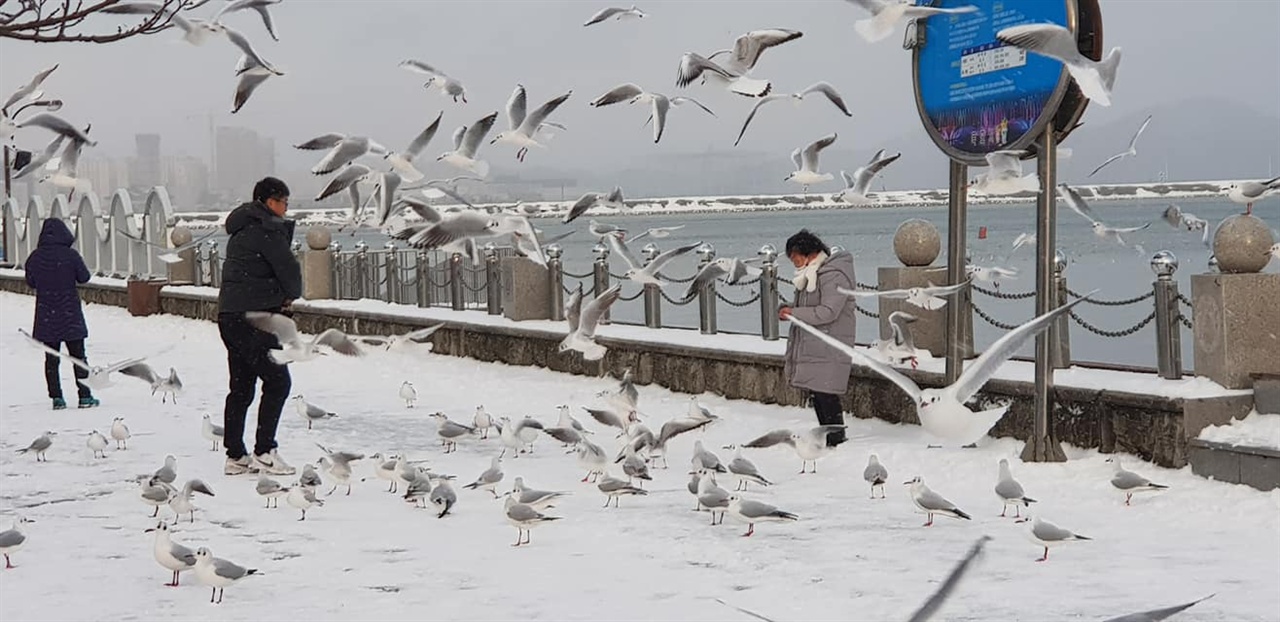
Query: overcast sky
[(340, 59)]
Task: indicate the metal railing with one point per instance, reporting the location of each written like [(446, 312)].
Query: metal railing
[(437, 279)]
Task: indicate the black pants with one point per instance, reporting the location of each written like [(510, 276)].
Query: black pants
[(74, 348), (827, 406), (249, 360)]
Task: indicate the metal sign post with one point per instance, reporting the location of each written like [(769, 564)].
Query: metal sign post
[(976, 96)]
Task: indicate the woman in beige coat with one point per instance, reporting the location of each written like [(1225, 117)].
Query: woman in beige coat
[(811, 364)]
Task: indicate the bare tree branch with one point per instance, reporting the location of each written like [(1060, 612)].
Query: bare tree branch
[(47, 21)]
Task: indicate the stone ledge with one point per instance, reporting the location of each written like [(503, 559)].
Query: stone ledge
[(1257, 467)]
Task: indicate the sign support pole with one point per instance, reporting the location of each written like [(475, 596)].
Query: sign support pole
[(1043, 445), (958, 205)]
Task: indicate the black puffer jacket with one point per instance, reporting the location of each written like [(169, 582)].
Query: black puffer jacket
[(259, 272)]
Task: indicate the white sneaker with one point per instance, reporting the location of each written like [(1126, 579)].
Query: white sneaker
[(238, 467), (272, 463)]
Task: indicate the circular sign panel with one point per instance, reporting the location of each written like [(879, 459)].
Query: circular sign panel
[(977, 95)]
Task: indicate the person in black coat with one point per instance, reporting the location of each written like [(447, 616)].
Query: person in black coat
[(259, 273), (54, 270)]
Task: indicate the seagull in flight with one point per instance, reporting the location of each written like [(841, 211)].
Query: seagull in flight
[(466, 142), (583, 320), (637, 270), (616, 14), (806, 161), (526, 128), (1100, 229), (942, 412), (857, 185), (1004, 175), (1095, 78), (1131, 151), (296, 348), (824, 88), (885, 15), (449, 87), (929, 298)]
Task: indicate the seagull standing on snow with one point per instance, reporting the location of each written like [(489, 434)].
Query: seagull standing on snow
[(408, 394), (1010, 491), (181, 503), (526, 127), (271, 490), (857, 186), (172, 556), (885, 15), (40, 445), (310, 412), (744, 470), (97, 443), (1004, 175), (811, 445), (218, 573), (806, 162), (942, 412), (1100, 229), (823, 88), (489, 478), (616, 14), (710, 495), (449, 87), (120, 433), (932, 503), (524, 518), (614, 489), (303, 498), (1095, 78), (1246, 193), (211, 432), (295, 347), (1131, 482), (1047, 534), (876, 475), (750, 511), (1131, 151)]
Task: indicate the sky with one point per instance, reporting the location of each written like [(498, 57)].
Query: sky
[(340, 60)]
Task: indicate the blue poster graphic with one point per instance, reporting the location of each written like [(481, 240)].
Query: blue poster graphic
[(979, 94)]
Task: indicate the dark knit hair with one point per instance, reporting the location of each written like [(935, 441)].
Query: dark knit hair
[(805, 243), (269, 188)]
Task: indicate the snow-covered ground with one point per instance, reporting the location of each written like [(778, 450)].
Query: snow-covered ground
[(1255, 430), (372, 556)]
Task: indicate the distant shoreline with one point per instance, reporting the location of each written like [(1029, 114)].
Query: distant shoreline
[(791, 202)]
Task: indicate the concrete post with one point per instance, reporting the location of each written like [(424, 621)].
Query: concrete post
[(317, 265), (652, 293), (1168, 332), (707, 294), (1060, 330), (456, 293), (600, 274), (492, 280), (917, 245), (1236, 312), (768, 292), (555, 284), (183, 272)]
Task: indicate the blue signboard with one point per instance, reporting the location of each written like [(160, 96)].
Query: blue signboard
[(977, 95)]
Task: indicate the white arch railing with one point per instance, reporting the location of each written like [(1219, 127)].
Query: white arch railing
[(105, 251)]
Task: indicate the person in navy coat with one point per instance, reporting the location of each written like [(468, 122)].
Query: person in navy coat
[(54, 270)]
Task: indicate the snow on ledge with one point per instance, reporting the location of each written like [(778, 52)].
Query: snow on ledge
[(1082, 378), (1255, 430)]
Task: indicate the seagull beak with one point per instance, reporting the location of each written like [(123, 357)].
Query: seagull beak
[(907, 483), (149, 530)]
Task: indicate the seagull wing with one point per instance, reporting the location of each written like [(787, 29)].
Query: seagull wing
[(665, 258), (692, 66), (517, 105), (345, 178), (620, 249), (325, 141), (573, 309), (1006, 162), (248, 83), (1049, 40), (142, 372), (1076, 202), (897, 294), (977, 374), (752, 115), (660, 107), (425, 212), (536, 118), (420, 335), (279, 325), (1133, 142), (339, 341), (580, 207), (1108, 161), (475, 134), (602, 15), (620, 93), (594, 310), (864, 175), (748, 48), (880, 367), (423, 139), (830, 93), (707, 274), (418, 66), (680, 101), (810, 155), (775, 437), (73, 360), (458, 227)]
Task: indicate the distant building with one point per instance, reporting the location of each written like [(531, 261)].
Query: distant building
[(187, 180), (146, 162), (243, 157), (106, 175)]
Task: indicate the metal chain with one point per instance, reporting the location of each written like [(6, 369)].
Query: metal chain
[(576, 276), (995, 293), (678, 303), (1182, 319), (638, 294), (750, 301), (867, 286), (617, 277), (751, 281), (1183, 299), (443, 283), (475, 290), (1118, 333), (1114, 303), (871, 314), (675, 280), (990, 320)]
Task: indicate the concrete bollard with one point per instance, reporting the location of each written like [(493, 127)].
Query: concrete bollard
[(768, 292), (317, 265), (707, 294), (183, 272), (917, 244), (555, 281), (652, 293), (1168, 332)]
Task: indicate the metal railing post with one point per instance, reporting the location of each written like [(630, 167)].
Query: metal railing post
[(339, 272), (652, 293), (769, 292), (492, 280), (391, 267), (707, 294), (215, 265), (1060, 331), (198, 269), (456, 292), (422, 283), (1168, 333), (362, 270), (600, 274), (555, 281)]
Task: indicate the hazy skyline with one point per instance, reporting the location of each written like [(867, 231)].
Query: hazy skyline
[(340, 60)]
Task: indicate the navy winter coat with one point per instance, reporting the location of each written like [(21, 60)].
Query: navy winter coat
[(259, 272), (53, 270)]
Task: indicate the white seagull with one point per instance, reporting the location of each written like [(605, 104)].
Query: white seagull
[(900, 347), (744, 470), (169, 255), (466, 142), (449, 87), (942, 412), (97, 443), (489, 478), (583, 321), (1100, 229), (750, 511), (932, 503), (858, 185), (1248, 192), (296, 348), (810, 445), (638, 271), (402, 163), (1047, 534), (1131, 151), (170, 555), (731, 269), (824, 88), (615, 13), (218, 573), (806, 162), (40, 445), (885, 15), (169, 385), (524, 518), (527, 127), (612, 199), (181, 503), (1131, 482), (120, 433), (1004, 175), (929, 298), (310, 412), (1095, 78), (1010, 491), (875, 474), (408, 394)]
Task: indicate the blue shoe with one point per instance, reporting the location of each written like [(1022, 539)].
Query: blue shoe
[(88, 402), (59, 403)]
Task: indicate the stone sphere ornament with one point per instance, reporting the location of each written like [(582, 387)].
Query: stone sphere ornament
[(1241, 244), (319, 238), (917, 242), (180, 235)]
